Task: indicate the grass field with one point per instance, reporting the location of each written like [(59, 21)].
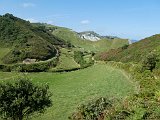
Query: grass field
[(66, 60), (74, 88), (3, 52)]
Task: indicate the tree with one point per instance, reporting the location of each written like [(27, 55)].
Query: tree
[(149, 62), (23, 98)]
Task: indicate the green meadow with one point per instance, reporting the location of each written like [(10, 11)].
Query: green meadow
[(71, 89), (66, 61)]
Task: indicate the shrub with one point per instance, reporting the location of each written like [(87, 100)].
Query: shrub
[(23, 98), (149, 62), (92, 111)]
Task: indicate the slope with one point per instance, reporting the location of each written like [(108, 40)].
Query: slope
[(73, 37), (134, 52), (25, 40)]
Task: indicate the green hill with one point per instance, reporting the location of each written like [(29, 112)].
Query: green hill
[(134, 52), (25, 40), (73, 37)]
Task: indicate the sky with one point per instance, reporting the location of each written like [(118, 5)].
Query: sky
[(132, 19)]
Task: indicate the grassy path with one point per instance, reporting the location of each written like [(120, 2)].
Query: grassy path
[(66, 61), (3, 52), (74, 88)]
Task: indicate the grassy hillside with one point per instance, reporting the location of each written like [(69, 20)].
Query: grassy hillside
[(74, 88), (133, 53), (73, 38), (66, 61), (26, 40)]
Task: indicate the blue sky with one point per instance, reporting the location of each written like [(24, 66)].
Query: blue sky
[(133, 19)]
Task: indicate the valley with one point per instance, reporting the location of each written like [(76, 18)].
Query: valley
[(89, 76)]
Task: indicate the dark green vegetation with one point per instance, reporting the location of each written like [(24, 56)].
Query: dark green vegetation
[(75, 88), (134, 52), (26, 40), (150, 62), (23, 98)]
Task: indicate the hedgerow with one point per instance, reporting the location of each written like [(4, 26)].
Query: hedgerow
[(34, 67)]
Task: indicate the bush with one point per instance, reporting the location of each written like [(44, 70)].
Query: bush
[(23, 98), (149, 62), (92, 111), (124, 47)]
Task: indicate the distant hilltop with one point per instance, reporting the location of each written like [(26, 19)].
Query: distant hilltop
[(93, 36)]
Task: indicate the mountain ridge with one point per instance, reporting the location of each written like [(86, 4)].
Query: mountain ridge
[(93, 36)]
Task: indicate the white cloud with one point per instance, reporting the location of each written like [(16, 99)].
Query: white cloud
[(32, 20), (26, 5), (85, 22)]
